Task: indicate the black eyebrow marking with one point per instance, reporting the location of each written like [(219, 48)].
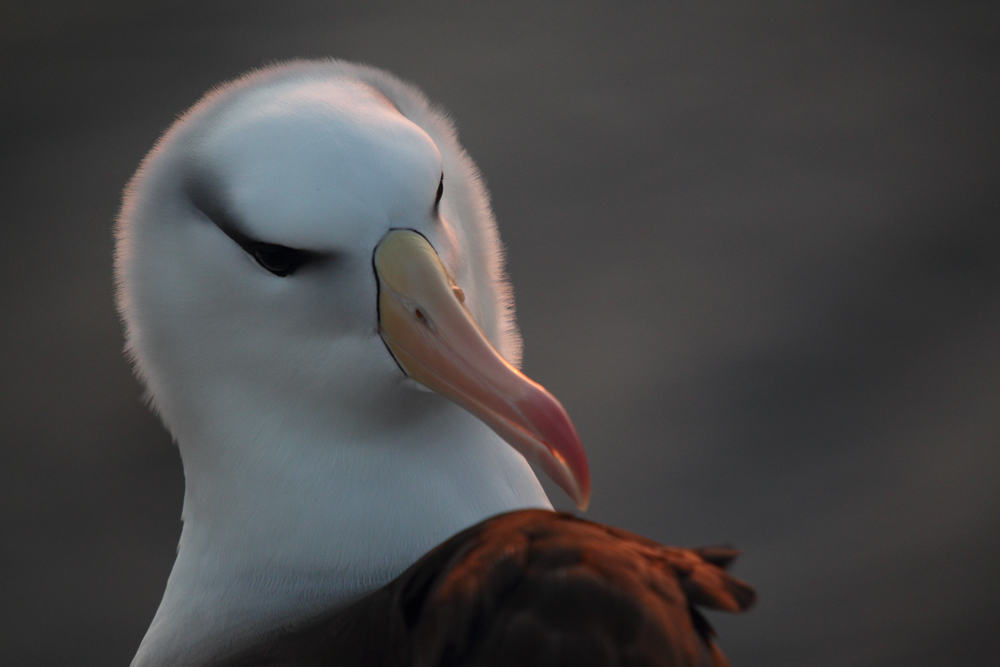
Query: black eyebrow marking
[(437, 199), (204, 194)]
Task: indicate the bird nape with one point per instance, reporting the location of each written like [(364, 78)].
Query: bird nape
[(313, 294)]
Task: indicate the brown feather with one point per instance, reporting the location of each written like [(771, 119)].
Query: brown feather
[(530, 588)]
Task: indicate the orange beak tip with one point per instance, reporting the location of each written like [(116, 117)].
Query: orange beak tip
[(438, 344)]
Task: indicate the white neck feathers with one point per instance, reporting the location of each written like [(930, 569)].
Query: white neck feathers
[(319, 519)]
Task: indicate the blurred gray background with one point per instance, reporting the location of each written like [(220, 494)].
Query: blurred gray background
[(755, 248)]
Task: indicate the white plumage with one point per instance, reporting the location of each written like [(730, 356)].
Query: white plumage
[(313, 294), (314, 468)]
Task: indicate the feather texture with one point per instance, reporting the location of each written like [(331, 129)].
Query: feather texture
[(532, 588)]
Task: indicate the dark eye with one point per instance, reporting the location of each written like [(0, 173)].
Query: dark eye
[(437, 199), (278, 259)]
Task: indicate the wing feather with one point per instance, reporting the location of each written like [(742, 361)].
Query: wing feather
[(530, 588)]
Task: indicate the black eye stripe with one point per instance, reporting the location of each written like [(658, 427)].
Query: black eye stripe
[(278, 259), (437, 199)]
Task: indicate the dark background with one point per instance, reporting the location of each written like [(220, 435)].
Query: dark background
[(756, 252)]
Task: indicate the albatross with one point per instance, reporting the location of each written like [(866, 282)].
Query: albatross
[(313, 295)]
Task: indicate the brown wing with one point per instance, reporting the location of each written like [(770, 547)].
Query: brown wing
[(530, 588)]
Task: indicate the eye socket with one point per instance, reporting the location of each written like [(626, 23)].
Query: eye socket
[(278, 259), (437, 199)]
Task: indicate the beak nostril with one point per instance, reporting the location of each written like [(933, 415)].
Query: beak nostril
[(445, 351)]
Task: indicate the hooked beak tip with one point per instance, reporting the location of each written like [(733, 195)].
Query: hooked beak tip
[(435, 340)]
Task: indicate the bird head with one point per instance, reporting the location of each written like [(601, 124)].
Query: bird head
[(315, 242)]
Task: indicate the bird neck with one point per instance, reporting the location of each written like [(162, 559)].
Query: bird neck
[(281, 523)]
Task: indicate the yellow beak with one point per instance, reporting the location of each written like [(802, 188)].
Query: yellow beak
[(434, 338)]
